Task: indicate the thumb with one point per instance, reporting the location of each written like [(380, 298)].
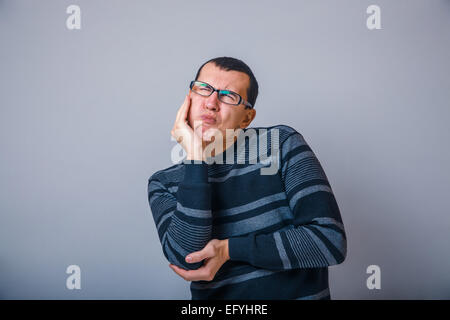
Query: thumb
[(197, 256)]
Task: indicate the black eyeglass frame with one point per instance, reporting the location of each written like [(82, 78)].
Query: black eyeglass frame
[(241, 100)]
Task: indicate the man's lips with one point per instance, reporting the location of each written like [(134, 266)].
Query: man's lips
[(208, 119)]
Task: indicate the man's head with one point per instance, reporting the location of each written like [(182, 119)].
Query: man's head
[(224, 73)]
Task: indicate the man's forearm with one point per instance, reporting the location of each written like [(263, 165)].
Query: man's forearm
[(320, 243), (188, 227)]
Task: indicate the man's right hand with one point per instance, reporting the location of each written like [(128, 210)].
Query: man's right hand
[(184, 133)]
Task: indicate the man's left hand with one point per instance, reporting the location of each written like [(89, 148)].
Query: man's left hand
[(215, 253)]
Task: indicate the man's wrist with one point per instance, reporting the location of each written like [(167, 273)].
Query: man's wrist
[(195, 172), (197, 155), (190, 158)]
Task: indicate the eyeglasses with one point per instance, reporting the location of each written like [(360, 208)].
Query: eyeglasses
[(226, 96)]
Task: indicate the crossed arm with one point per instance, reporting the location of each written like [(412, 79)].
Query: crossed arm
[(315, 239)]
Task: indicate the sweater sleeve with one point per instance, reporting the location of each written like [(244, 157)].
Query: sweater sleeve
[(316, 238), (184, 221)]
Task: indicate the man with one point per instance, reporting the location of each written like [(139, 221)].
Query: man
[(233, 231)]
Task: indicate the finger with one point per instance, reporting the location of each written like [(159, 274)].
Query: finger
[(178, 271), (198, 256), (190, 275), (186, 108), (180, 110)]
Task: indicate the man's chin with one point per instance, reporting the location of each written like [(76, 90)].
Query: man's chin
[(206, 127), (208, 132)]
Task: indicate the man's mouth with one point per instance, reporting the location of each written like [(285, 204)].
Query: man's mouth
[(208, 119)]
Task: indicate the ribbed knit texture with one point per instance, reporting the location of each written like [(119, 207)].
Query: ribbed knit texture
[(284, 229)]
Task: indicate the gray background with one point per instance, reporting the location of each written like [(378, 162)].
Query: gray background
[(86, 118)]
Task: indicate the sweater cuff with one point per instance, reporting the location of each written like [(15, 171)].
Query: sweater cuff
[(196, 172), (237, 248)]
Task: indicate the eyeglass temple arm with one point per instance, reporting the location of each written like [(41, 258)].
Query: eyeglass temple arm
[(247, 104)]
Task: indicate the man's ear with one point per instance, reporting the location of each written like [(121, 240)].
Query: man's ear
[(248, 118)]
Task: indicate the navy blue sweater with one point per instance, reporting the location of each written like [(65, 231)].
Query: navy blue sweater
[(284, 226)]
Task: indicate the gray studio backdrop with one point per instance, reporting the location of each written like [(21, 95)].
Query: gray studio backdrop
[(86, 115)]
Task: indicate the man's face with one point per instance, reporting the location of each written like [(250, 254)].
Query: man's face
[(224, 116)]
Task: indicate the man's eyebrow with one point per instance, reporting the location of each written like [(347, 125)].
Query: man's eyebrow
[(226, 88)]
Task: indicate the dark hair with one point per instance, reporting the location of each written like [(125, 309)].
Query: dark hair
[(233, 64)]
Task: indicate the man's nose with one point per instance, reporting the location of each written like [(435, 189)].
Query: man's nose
[(213, 102)]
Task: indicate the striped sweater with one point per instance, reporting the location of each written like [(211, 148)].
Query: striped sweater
[(284, 228)]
